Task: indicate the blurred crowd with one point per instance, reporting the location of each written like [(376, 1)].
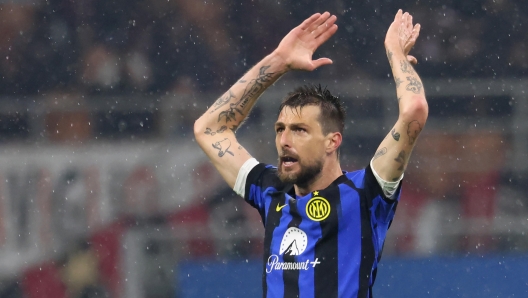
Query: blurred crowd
[(123, 47)]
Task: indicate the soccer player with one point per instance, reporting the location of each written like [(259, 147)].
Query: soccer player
[(324, 228)]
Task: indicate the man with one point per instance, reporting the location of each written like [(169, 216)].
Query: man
[(324, 228)]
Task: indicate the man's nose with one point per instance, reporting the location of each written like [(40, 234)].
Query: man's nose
[(285, 139)]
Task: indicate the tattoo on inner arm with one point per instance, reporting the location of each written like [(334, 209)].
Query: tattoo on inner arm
[(209, 131), (398, 82), (389, 55), (253, 88), (413, 129), (220, 145), (380, 152), (401, 159), (414, 85), (222, 100), (395, 135), (406, 67), (399, 98)]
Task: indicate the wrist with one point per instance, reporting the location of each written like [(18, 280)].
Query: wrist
[(278, 61)]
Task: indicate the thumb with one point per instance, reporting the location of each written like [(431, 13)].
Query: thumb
[(320, 62), (412, 59)]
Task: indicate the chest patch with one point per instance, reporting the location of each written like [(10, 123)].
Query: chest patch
[(318, 209)]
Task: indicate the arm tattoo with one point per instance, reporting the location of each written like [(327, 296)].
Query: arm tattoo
[(413, 130), (209, 131), (401, 159), (398, 82), (234, 128), (389, 55), (221, 151), (395, 135), (222, 101), (380, 152), (253, 88), (399, 98), (414, 85), (406, 67)]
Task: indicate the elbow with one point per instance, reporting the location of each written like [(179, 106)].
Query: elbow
[(418, 110), (199, 128)]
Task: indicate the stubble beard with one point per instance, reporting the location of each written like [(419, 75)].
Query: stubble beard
[(306, 175)]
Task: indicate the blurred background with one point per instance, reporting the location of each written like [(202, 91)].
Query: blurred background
[(104, 193)]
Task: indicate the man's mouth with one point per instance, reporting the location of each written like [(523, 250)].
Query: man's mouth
[(288, 161)]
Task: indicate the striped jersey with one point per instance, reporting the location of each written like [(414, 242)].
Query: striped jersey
[(325, 244)]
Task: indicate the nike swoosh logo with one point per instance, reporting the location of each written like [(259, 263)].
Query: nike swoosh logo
[(279, 208)]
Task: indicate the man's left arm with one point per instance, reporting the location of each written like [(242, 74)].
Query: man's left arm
[(392, 155)]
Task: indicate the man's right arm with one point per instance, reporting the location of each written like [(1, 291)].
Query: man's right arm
[(215, 129)]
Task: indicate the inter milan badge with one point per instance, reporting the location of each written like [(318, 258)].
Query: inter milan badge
[(317, 208)]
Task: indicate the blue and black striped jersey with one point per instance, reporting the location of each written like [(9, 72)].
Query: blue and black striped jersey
[(325, 244)]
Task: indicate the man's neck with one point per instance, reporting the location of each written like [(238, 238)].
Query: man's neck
[(328, 174)]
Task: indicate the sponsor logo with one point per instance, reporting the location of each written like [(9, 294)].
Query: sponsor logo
[(274, 264), (294, 243), (279, 207), (318, 209)]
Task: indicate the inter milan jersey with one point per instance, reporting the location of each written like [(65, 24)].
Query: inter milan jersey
[(325, 244)]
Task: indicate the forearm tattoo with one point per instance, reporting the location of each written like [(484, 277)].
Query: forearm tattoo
[(253, 88), (389, 55), (413, 129), (398, 82), (223, 147), (401, 160), (414, 85), (222, 101), (406, 67), (395, 135), (380, 152)]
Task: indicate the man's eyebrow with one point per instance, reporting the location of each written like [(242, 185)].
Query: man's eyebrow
[(293, 125)]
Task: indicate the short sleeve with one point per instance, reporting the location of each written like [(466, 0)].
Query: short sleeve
[(261, 180)]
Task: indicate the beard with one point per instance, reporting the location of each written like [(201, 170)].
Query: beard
[(306, 174)]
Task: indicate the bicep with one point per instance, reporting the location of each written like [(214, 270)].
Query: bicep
[(226, 154), (392, 156)]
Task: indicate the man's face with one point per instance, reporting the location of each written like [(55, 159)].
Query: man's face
[(300, 144)]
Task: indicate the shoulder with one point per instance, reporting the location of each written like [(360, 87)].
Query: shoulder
[(264, 175), (357, 177)]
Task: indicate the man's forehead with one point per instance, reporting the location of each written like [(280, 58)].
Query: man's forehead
[(306, 113)]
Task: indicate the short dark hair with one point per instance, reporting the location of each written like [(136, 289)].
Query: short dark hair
[(332, 116)]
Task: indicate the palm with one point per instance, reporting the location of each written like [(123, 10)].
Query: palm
[(402, 35), (298, 46)]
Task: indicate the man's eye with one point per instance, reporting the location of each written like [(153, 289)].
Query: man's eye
[(280, 129)]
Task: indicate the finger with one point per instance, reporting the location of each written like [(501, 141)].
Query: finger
[(409, 23), (412, 59), (326, 35), (320, 62), (412, 40), (398, 15), (416, 31), (319, 21), (325, 26), (304, 25)]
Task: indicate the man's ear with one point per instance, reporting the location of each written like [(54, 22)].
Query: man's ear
[(334, 140)]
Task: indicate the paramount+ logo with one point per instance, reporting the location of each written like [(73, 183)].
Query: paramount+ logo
[(318, 209)]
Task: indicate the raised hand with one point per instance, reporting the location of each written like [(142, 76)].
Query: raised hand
[(402, 35), (297, 47)]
